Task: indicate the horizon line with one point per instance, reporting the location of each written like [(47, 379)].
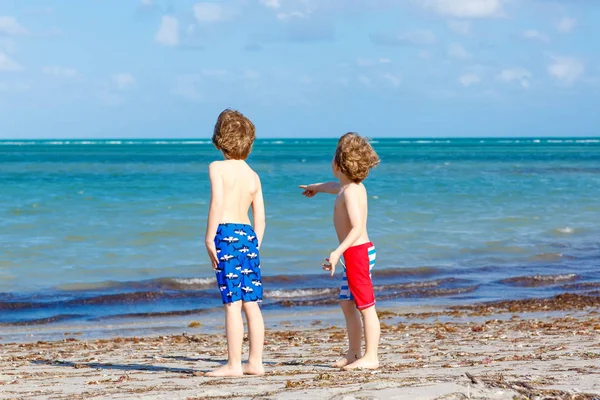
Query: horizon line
[(300, 138)]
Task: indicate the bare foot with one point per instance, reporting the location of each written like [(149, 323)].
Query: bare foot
[(347, 359), (251, 369), (363, 363), (226, 370)]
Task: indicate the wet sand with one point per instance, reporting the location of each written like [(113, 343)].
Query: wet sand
[(541, 348)]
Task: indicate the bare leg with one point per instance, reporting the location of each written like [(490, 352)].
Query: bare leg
[(354, 329), (234, 327), (372, 333), (256, 335)]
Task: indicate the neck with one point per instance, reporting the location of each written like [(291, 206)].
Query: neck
[(344, 181)]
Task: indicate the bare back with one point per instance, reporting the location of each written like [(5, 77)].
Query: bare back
[(342, 214), (240, 185)]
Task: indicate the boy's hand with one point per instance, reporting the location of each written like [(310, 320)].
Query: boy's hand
[(211, 249), (331, 262), (309, 190)]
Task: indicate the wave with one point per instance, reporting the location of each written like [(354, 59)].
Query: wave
[(320, 292), (567, 230), (418, 141), (581, 286), (106, 142), (415, 293), (179, 289), (185, 284), (288, 294), (43, 321), (540, 280), (120, 299), (157, 314)]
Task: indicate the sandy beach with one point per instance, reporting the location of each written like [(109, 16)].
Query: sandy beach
[(529, 349)]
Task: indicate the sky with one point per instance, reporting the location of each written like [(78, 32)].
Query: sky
[(299, 68)]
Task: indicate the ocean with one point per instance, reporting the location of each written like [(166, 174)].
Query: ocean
[(105, 231)]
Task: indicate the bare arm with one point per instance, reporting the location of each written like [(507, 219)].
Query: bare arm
[(215, 211), (258, 213), (313, 189)]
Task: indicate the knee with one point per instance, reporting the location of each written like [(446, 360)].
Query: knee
[(369, 312)]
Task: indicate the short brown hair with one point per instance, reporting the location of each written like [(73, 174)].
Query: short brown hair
[(355, 157), (234, 134)]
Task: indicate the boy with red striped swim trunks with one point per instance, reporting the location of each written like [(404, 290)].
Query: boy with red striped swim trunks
[(354, 158)]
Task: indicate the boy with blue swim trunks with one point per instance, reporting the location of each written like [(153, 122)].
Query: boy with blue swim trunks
[(233, 244), (354, 158)]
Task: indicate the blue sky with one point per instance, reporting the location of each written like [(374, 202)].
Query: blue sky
[(299, 68)]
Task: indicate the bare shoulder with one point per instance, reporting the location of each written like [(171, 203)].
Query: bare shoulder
[(216, 166), (356, 192), (356, 189), (256, 176)]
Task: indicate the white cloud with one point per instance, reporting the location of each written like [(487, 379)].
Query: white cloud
[(7, 63), (566, 24), (271, 3), (214, 12), (342, 81), (419, 37), (365, 80), (123, 80), (187, 86), (251, 74), (367, 62), (532, 34), (457, 52), (424, 54), (466, 8), (168, 32), (395, 80), (364, 62), (566, 70), (521, 75), (469, 79), (146, 3), (460, 27), (416, 38), (287, 16), (10, 26), (7, 45), (15, 87), (60, 72)]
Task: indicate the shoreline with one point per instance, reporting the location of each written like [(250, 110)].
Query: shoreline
[(537, 347)]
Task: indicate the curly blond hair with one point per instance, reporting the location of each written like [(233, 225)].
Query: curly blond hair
[(355, 157), (234, 134)]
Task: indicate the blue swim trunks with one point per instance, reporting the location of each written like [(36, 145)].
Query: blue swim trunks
[(238, 272)]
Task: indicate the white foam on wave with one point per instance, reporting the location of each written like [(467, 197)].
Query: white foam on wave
[(195, 281), (289, 294), (567, 230), (100, 142)]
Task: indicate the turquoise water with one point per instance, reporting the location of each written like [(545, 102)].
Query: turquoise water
[(103, 229)]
